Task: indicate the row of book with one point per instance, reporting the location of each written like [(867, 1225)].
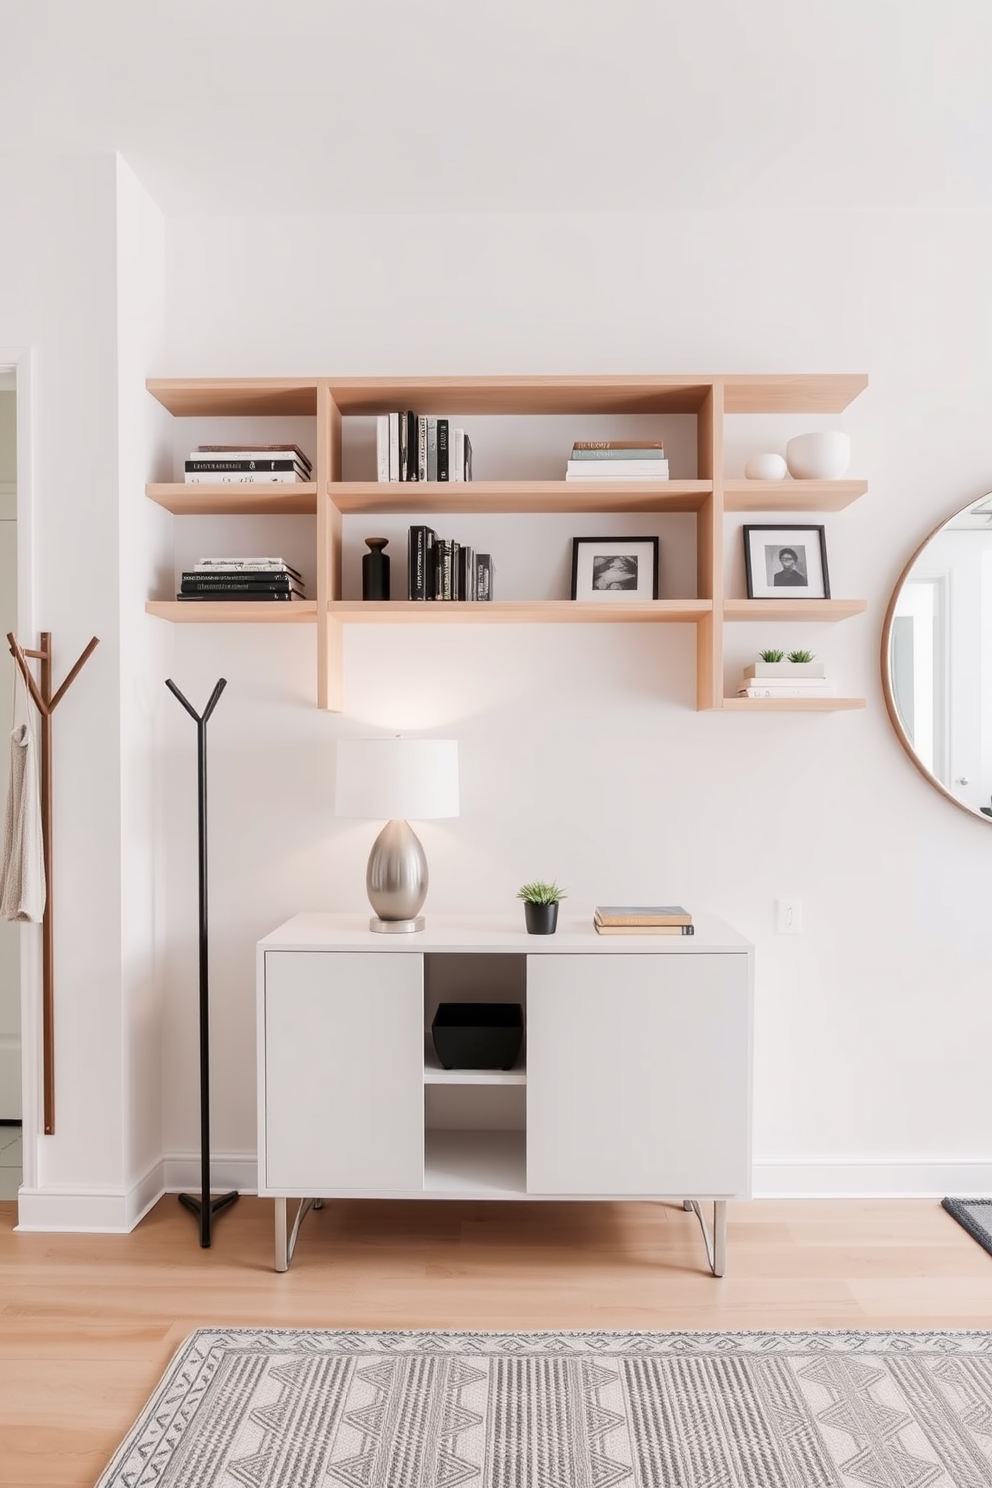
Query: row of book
[(439, 568), (786, 680), (241, 578), (617, 459), (246, 464), (417, 447), (643, 919)]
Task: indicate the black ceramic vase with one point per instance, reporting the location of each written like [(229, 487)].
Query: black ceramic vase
[(375, 570), (540, 919)]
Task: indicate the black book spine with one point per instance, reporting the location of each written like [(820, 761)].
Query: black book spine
[(413, 448), (265, 586), (261, 594), (262, 463), (442, 449), (404, 445), (483, 576)]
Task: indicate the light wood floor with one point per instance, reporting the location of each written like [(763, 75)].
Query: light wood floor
[(88, 1322)]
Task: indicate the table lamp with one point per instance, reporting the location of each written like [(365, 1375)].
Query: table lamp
[(397, 778)]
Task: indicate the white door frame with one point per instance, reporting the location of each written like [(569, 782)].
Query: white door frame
[(18, 361)]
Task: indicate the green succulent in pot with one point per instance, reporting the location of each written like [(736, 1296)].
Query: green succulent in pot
[(541, 901)]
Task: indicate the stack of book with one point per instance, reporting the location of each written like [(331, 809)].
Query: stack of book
[(439, 568), (246, 464), (417, 447), (617, 459), (643, 919), (241, 578), (785, 679)]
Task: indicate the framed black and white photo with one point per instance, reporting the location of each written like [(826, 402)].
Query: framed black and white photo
[(786, 563), (612, 568)]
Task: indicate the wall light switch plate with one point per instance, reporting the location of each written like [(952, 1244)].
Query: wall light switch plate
[(789, 916)]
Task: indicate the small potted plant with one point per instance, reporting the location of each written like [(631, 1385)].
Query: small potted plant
[(776, 663), (540, 906)]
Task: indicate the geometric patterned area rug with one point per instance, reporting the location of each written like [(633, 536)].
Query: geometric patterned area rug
[(274, 1408), (975, 1215)]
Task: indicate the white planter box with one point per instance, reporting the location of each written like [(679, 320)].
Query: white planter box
[(794, 669)]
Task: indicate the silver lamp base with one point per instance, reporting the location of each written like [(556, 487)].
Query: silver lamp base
[(396, 927), (396, 879)]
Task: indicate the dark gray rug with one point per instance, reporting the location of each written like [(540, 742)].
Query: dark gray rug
[(976, 1217), (299, 1409)]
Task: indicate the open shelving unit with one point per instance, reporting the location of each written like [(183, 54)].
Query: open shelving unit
[(708, 496)]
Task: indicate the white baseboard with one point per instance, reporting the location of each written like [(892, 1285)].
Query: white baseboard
[(841, 1178), (113, 1211), (227, 1171), (117, 1211)]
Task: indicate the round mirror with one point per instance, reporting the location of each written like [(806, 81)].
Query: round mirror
[(937, 658)]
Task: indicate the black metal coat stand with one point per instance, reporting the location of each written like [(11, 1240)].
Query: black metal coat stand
[(204, 1207)]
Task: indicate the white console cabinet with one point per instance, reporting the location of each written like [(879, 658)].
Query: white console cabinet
[(634, 1080)]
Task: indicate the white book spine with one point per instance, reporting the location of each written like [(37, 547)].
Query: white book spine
[(456, 456), (787, 692), (242, 478), (432, 449), (422, 446), (616, 470), (394, 446), (382, 446)]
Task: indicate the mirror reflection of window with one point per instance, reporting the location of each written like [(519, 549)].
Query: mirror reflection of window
[(919, 672), (937, 652)]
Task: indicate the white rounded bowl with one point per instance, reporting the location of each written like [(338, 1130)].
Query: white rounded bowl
[(820, 456), (767, 467)]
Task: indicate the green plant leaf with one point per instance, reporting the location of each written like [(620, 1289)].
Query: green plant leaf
[(800, 655), (539, 892), (771, 655)]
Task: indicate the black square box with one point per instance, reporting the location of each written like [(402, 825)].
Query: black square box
[(478, 1035)]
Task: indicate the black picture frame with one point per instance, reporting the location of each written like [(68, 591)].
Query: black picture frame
[(615, 569), (786, 561)]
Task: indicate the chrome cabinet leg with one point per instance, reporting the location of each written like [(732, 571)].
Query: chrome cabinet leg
[(716, 1244), (282, 1250), (285, 1245)]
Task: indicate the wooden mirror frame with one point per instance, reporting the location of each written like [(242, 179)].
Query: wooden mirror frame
[(890, 702)]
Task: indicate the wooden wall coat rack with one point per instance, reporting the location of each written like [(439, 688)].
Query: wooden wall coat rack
[(46, 702)]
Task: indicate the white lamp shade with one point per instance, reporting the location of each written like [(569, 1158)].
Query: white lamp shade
[(397, 778)]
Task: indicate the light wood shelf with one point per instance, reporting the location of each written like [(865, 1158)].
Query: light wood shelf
[(512, 498), (708, 496), (793, 705), (234, 611), (794, 609), (520, 612), (791, 495), (225, 499)]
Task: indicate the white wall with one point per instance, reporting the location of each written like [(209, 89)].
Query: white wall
[(64, 288), (582, 755)]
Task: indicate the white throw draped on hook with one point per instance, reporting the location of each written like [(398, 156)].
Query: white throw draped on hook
[(22, 873)]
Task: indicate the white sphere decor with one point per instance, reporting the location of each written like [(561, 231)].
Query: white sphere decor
[(765, 467), (820, 456)]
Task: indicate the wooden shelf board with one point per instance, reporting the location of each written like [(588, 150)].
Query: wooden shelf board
[(791, 495), (521, 395), (510, 497), (818, 392), (793, 609), (219, 397), (239, 611), (519, 611), (226, 500), (436, 1074), (757, 393), (488, 1164), (793, 705)]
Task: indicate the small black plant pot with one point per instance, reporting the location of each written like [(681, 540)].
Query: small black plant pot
[(540, 919)]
